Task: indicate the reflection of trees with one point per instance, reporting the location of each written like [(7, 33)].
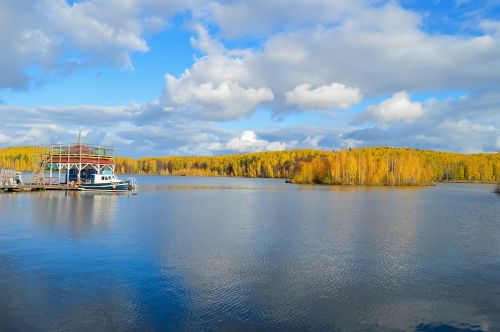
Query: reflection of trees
[(77, 210)]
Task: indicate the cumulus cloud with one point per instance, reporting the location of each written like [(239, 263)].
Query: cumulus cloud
[(260, 17), (299, 51), (346, 33), (4, 139), (472, 136), (463, 124), (204, 42), (490, 26), (333, 96), (398, 108), (99, 27), (173, 134), (321, 42), (248, 142), (466, 127), (299, 64), (41, 34), (313, 141), (227, 100)]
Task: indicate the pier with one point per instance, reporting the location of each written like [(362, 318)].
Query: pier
[(12, 181), (61, 167)]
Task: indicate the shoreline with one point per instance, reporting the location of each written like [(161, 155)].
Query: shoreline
[(319, 184)]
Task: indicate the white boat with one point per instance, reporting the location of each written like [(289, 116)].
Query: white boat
[(107, 183)]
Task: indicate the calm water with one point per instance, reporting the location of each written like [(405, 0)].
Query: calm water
[(253, 254)]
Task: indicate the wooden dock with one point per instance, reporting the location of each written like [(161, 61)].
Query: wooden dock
[(35, 187)]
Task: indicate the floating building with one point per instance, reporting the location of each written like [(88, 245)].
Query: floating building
[(70, 167), (75, 163)]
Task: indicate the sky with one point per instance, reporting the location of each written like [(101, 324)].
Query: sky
[(192, 77)]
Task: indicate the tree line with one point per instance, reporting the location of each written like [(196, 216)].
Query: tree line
[(365, 166), (19, 158)]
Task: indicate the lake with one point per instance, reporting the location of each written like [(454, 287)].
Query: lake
[(197, 253)]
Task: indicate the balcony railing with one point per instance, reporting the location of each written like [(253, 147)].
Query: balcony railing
[(77, 150)]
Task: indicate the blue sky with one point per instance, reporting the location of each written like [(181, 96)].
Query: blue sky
[(215, 77)]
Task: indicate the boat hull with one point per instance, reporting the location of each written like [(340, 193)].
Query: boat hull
[(106, 187)]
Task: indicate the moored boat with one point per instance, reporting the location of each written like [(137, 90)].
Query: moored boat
[(106, 183)]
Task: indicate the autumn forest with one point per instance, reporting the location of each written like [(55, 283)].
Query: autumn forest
[(364, 166)]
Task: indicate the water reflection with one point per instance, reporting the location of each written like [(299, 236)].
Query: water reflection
[(351, 259), (77, 211), (440, 327), (421, 315), (196, 254), (275, 186)]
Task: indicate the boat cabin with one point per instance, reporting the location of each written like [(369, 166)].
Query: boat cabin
[(103, 178)]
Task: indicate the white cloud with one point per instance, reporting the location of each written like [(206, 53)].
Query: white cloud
[(284, 50), (464, 127), (41, 34), (497, 143), (73, 114), (105, 28), (462, 124), (490, 26), (4, 139), (330, 41), (313, 141), (306, 45), (227, 100), (398, 108), (139, 130), (469, 136), (347, 143), (36, 43), (320, 42), (333, 96), (261, 17), (324, 42), (204, 42), (248, 142), (218, 86)]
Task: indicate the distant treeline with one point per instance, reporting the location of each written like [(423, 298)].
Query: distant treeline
[(366, 166), (19, 158)]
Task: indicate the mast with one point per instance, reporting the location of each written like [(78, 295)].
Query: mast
[(79, 144)]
